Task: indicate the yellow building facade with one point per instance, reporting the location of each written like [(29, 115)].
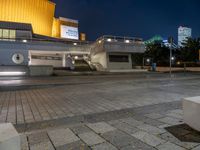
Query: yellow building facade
[(39, 13)]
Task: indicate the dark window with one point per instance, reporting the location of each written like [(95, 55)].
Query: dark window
[(118, 58)]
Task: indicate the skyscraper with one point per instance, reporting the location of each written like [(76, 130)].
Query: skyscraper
[(183, 34)]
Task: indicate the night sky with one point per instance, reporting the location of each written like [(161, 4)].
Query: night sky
[(135, 18)]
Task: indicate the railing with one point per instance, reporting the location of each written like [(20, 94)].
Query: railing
[(110, 38), (26, 40)]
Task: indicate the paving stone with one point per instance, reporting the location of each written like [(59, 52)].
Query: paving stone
[(154, 115), (126, 127), (131, 121), (169, 146), (132, 147), (169, 137), (164, 126), (171, 121), (78, 145), (148, 138), (177, 111), (38, 137), (80, 129), (196, 148), (175, 115), (147, 120), (101, 127), (104, 146), (42, 146), (61, 137), (151, 129), (118, 138), (91, 138), (24, 142)]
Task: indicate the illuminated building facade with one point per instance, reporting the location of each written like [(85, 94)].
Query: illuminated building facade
[(183, 34), (40, 14), (30, 35)]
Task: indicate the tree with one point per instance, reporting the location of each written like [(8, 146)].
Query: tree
[(190, 50), (158, 53)]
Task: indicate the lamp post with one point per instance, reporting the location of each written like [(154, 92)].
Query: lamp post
[(170, 41)]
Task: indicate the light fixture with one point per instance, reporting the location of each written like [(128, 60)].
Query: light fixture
[(127, 41), (99, 41), (76, 57), (109, 40), (24, 41), (12, 73), (148, 60), (75, 44), (173, 58)]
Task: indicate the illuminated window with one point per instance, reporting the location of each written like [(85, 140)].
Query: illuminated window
[(12, 34), (5, 33), (0, 33)]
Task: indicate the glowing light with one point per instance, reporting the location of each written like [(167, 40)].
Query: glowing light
[(109, 40), (173, 58), (148, 60), (127, 41), (24, 41), (75, 44), (99, 41), (76, 57), (13, 73)]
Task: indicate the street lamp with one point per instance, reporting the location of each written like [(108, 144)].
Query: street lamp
[(170, 41)]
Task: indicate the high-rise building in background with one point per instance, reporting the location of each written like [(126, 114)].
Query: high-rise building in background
[(183, 34)]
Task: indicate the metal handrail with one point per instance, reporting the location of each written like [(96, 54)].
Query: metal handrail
[(119, 38)]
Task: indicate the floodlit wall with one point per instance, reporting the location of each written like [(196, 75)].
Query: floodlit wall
[(39, 13)]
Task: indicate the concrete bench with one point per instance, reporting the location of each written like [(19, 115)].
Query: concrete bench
[(9, 138), (191, 112)]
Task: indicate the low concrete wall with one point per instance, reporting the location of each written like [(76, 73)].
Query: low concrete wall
[(14, 71), (41, 70), (191, 112), (166, 69)]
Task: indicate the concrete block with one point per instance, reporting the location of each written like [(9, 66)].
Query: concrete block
[(9, 138), (40, 70), (191, 112)]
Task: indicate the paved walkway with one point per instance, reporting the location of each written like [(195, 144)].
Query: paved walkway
[(145, 131), (100, 112), (52, 102)]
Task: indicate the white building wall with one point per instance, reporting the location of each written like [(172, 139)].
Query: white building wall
[(119, 65), (38, 62), (183, 34), (100, 58)]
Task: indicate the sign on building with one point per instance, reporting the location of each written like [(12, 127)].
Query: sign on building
[(69, 32)]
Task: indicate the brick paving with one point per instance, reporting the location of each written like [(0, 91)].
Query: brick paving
[(125, 133), (113, 113)]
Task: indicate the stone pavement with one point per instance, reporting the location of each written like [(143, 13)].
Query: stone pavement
[(100, 112), (110, 93), (145, 132)]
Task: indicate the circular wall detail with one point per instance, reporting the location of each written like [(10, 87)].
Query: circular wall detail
[(18, 58)]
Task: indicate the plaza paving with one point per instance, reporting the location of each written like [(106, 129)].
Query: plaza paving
[(141, 111)]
